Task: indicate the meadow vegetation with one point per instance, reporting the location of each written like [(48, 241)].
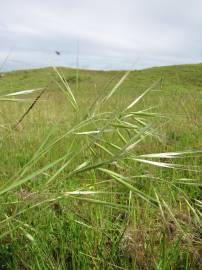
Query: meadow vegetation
[(103, 171)]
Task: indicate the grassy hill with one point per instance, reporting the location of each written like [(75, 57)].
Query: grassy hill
[(78, 187)]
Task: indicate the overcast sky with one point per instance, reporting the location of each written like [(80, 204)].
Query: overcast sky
[(100, 34)]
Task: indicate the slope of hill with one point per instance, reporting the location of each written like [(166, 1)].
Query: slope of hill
[(181, 76)]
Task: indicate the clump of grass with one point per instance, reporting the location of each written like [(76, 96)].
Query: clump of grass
[(89, 198)]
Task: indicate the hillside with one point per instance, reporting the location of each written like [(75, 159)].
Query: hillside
[(181, 76), (178, 94)]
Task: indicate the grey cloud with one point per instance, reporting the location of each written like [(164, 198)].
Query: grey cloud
[(111, 34)]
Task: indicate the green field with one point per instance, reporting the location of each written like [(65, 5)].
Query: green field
[(78, 187)]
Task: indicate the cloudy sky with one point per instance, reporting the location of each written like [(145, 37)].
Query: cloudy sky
[(99, 34)]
